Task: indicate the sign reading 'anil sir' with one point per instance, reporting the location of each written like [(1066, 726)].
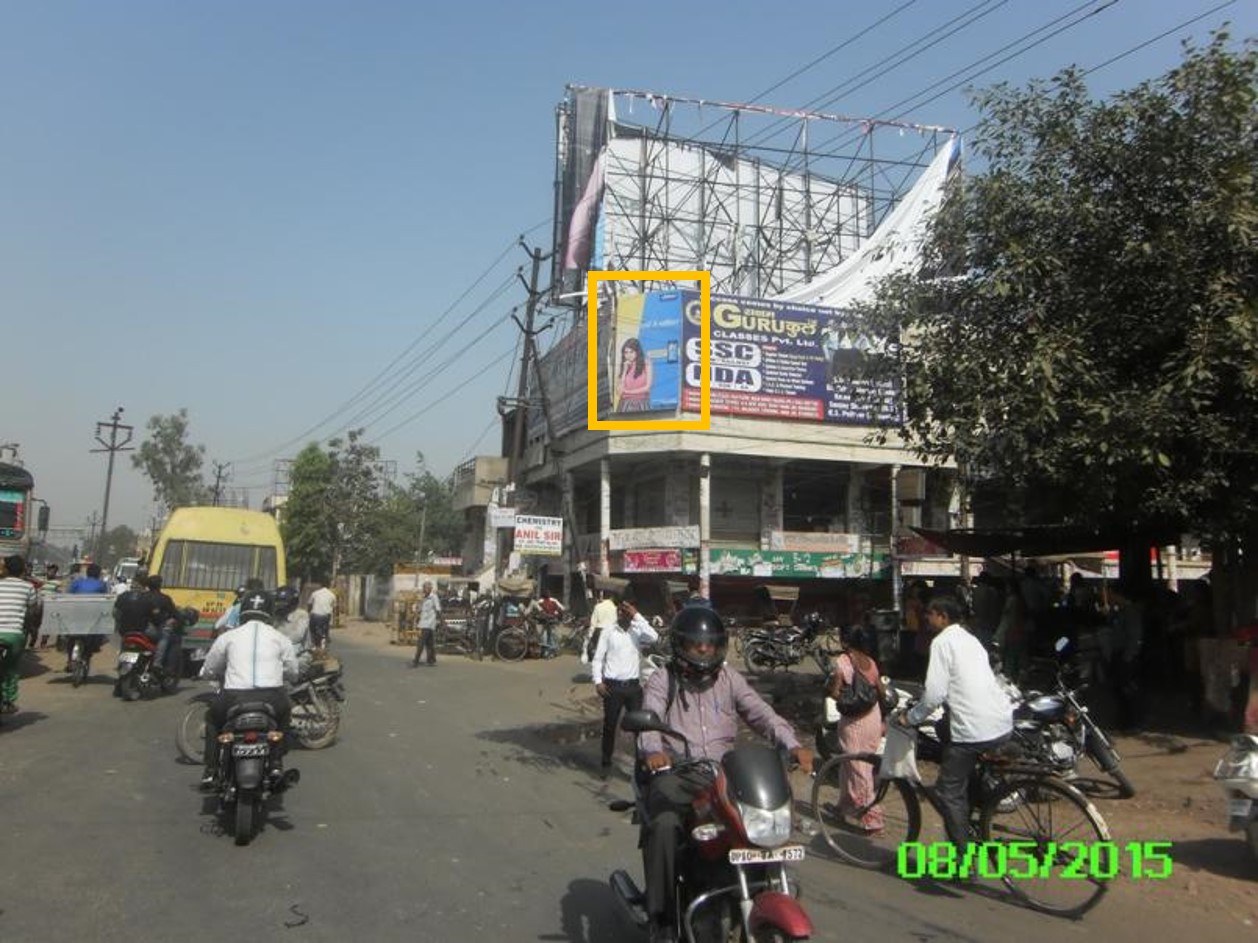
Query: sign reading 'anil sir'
[(542, 536)]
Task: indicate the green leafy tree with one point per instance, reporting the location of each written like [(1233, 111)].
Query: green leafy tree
[(1085, 329), (117, 543), (307, 521), (356, 497), (170, 463)]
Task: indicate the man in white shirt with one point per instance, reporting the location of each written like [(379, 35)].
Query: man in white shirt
[(603, 617), (322, 608), (253, 660), (981, 717), (616, 665)]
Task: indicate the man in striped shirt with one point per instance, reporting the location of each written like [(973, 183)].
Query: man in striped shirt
[(17, 606)]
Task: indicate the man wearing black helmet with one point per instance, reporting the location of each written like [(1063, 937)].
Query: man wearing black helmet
[(253, 661), (702, 698)]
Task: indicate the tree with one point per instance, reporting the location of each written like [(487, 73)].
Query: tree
[(118, 542), (308, 524), (1085, 327), (170, 463), (355, 497)]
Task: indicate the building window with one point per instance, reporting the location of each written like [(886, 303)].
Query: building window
[(814, 497)]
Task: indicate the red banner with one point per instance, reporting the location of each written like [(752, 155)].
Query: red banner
[(652, 561)]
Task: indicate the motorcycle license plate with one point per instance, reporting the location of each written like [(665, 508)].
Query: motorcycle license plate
[(1239, 807), (249, 749), (764, 855), (128, 658)]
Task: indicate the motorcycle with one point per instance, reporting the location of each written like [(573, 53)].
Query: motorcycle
[(318, 701), (250, 766), (1237, 774), (765, 649), (1056, 729), (139, 676), (732, 882)]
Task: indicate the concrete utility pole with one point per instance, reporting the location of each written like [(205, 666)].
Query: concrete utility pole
[(113, 446), (220, 473), (522, 388), (91, 537)]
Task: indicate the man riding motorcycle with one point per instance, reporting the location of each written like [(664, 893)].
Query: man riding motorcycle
[(701, 697), (294, 623), (165, 627), (253, 661)]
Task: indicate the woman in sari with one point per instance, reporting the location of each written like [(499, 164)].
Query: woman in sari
[(861, 734)]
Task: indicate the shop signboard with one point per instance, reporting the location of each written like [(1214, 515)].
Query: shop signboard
[(541, 536), (779, 563), (660, 561)]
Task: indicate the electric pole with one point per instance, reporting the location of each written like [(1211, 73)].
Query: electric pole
[(522, 389), (91, 537), (220, 472), (113, 446)]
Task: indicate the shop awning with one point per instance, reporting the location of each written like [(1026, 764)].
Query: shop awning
[(1048, 541)]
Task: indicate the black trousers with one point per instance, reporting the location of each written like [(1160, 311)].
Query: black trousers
[(621, 696), (668, 803), (952, 788), (216, 715), (428, 641)]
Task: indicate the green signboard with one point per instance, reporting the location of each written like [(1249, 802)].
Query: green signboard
[(785, 563)]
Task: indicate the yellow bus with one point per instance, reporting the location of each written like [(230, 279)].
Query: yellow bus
[(204, 554)]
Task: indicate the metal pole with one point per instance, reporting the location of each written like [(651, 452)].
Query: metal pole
[(113, 446)]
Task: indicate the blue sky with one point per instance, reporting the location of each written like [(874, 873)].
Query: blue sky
[(249, 209)]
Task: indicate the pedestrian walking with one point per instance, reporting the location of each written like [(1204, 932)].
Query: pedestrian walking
[(322, 607), (429, 615), (18, 607), (615, 667)]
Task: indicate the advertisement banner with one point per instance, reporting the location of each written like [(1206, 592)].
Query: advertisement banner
[(542, 536), (652, 561), (814, 542), (777, 360), (640, 363), (642, 538), (772, 563), (501, 517)]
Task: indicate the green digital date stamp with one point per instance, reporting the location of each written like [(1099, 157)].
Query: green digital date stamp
[(1031, 860)]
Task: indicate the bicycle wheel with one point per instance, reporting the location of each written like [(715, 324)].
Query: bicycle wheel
[(1063, 834), (190, 734), (868, 835), (511, 645)]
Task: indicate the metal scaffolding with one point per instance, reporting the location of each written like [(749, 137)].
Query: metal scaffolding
[(765, 199)]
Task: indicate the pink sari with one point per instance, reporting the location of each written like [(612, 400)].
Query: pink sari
[(859, 735)]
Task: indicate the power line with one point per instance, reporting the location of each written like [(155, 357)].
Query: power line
[(374, 381)]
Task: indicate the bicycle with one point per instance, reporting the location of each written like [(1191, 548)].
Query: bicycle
[(1014, 802), (514, 643)]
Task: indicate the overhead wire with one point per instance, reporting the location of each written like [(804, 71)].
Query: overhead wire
[(375, 381)]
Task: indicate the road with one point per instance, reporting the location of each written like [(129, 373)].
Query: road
[(458, 805)]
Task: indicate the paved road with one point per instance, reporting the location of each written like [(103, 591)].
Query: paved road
[(458, 805)]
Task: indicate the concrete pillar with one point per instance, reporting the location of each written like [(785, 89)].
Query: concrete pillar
[(771, 500), (569, 537), (705, 524), (856, 523), (604, 515), (896, 593)]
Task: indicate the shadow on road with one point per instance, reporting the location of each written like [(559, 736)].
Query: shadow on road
[(590, 914), (568, 745), (12, 722), (1227, 856)]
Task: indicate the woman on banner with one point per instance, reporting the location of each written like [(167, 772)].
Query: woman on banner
[(633, 393)]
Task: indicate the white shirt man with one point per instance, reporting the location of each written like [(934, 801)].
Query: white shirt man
[(603, 617), (322, 607), (981, 718), (616, 664), (253, 660)]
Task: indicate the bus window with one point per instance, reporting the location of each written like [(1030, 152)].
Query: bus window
[(194, 564)]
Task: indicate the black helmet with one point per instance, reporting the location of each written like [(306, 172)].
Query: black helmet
[(257, 604), (285, 601), (693, 625)]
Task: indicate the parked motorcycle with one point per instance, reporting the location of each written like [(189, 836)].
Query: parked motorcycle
[(732, 882), (1055, 728), (1237, 774), (771, 647), (250, 766)]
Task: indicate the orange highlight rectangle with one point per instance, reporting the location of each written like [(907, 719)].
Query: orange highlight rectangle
[(704, 422)]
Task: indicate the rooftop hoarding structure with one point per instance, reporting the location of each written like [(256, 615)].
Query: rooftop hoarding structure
[(766, 200)]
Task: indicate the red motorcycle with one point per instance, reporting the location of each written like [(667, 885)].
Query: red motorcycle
[(732, 882)]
